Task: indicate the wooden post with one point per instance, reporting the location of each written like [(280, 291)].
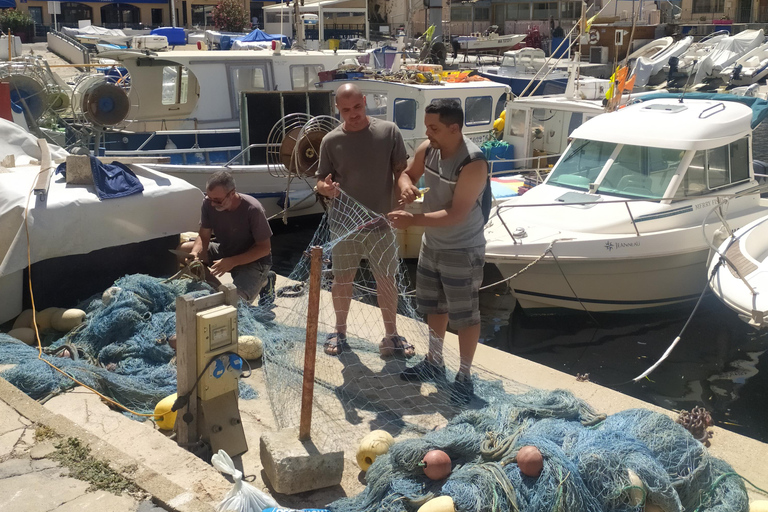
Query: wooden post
[(186, 355), (10, 44), (310, 348)]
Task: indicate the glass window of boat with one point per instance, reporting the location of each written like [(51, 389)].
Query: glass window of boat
[(249, 78), (515, 122), (640, 171), (477, 110), (376, 104), (405, 113), (581, 164), (500, 104), (716, 168), (175, 85), (305, 77)]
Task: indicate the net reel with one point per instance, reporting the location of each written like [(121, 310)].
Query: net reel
[(100, 101), (293, 144)]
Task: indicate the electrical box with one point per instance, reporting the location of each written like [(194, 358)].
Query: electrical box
[(598, 55), (217, 334)]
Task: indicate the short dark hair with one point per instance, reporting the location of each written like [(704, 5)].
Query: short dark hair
[(221, 179), (450, 111)]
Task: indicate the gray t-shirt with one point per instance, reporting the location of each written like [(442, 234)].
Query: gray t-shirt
[(237, 230), (441, 175), (364, 163)]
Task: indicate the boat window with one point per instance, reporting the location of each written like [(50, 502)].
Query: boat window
[(376, 104), (641, 172), (477, 110), (405, 113), (716, 168), (175, 85), (304, 78), (248, 78), (581, 164)]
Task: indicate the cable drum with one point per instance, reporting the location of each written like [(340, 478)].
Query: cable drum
[(105, 104), (27, 94)]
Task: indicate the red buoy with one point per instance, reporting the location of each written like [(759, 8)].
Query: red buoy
[(530, 461), (437, 464)]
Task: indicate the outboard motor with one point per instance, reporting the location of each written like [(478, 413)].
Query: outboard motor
[(736, 75)]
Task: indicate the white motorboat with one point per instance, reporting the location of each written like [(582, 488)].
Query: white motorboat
[(491, 42), (618, 224), (653, 48), (726, 52), (527, 72), (738, 274), (646, 67), (749, 68), (67, 220)]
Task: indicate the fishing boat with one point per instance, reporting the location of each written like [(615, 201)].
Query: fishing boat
[(477, 42), (737, 272), (618, 223), (527, 72), (749, 68)]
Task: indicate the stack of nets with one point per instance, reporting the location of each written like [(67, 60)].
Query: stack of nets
[(587, 459), (123, 350)]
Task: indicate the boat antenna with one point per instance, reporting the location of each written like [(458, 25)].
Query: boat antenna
[(685, 89)]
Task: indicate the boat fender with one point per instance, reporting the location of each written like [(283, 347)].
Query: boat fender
[(23, 320), (64, 320), (165, 417), (25, 334), (43, 318), (720, 235)]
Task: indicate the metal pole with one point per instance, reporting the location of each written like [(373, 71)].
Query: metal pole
[(310, 348), (173, 13)]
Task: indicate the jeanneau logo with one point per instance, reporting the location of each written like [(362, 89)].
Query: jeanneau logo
[(609, 246), (620, 245)]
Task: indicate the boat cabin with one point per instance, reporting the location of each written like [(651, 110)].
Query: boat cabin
[(403, 104), (196, 89)]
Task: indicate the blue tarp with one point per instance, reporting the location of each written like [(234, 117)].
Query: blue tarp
[(759, 106), (260, 35), (175, 35)]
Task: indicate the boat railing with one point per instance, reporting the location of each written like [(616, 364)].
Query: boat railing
[(722, 199), (205, 152), (250, 147)]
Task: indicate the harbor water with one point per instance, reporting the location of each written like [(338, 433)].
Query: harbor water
[(720, 362)]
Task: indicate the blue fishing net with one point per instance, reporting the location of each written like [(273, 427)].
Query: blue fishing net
[(587, 463), (123, 347)]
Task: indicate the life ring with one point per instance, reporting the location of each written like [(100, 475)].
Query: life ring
[(594, 36)]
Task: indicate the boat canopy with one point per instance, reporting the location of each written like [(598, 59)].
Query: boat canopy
[(692, 124)]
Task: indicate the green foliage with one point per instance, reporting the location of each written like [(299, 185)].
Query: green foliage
[(230, 16), (15, 20)]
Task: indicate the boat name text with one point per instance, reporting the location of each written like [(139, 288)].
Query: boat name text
[(620, 245)]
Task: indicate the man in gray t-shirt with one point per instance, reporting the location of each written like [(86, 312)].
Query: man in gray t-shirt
[(363, 157), (243, 245)]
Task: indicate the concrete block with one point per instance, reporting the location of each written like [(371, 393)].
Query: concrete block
[(293, 466), (79, 170)]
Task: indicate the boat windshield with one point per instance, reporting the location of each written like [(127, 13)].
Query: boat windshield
[(636, 171)]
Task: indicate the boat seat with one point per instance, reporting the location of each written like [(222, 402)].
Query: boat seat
[(635, 182)]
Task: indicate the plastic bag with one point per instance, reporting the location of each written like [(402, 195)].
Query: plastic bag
[(243, 497)]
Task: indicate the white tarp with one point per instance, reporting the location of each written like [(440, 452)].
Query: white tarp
[(728, 51), (72, 220), (646, 67)]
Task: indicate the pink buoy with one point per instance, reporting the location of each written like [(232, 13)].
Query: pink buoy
[(437, 464)]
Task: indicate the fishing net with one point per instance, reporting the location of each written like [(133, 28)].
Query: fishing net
[(587, 463), (359, 389), (122, 349)]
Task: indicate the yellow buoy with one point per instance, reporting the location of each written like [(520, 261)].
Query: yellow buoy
[(439, 504), (24, 319), (371, 446), (758, 506), (25, 334), (64, 320), (249, 347), (164, 417)]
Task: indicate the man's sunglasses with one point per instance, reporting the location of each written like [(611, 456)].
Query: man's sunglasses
[(219, 201)]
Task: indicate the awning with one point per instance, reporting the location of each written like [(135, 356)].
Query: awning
[(312, 5), (7, 4)]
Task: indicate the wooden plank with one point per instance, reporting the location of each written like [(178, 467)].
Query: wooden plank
[(310, 348), (46, 169), (209, 301), (743, 265), (186, 368)]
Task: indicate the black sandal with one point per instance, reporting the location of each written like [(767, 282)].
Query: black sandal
[(400, 347), (336, 343)]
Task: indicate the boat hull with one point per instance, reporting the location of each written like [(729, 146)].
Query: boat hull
[(623, 285)]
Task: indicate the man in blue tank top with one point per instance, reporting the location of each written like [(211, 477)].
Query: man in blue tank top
[(452, 256)]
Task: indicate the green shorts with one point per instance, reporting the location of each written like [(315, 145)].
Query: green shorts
[(377, 245)]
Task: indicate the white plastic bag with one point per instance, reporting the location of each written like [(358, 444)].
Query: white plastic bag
[(243, 497)]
